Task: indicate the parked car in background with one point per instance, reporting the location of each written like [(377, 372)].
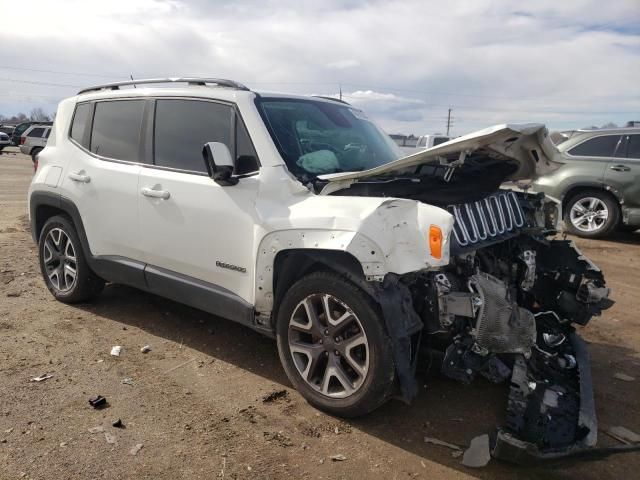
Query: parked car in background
[(428, 141), (19, 130), (8, 129), (5, 141), (599, 181), (34, 139)]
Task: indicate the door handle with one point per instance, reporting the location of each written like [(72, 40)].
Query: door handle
[(150, 192), (80, 177), (620, 168)]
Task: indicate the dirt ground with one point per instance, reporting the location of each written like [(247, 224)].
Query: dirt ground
[(199, 401)]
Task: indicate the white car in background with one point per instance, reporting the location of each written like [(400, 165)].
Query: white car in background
[(34, 139)]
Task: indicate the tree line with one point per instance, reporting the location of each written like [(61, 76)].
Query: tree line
[(36, 115)]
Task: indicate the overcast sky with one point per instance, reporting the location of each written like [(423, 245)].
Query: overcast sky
[(569, 63)]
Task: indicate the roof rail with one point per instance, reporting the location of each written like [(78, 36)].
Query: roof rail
[(324, 97), (189, 80)]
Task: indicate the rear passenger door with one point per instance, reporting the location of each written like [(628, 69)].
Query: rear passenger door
[(101, 178), (623, 171), (197, 236)]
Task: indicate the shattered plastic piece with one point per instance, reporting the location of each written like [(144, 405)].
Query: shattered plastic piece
[(118, 424), (624, 434), (320, 161), (478, 454), (98, 429), (338, 458), (442, 443), (624, 377), (135, 449), (116, 350), (146, 349), (127, 381), (98, 402), (41, 378), (110, 438)]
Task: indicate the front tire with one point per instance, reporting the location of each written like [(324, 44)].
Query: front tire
[(591, 214), (333, 345), (63, 265)]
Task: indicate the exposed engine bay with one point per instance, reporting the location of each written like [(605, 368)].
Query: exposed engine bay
[(504, 310)]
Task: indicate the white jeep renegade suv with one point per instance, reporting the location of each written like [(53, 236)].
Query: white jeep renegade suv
[(297, 217)]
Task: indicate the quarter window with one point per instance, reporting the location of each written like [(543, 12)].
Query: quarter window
[(633, 149), (182, 127), (116, 129), (80, 123), (36, 132), (603, 146)]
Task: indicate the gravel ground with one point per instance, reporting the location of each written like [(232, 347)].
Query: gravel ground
[(210, 399)]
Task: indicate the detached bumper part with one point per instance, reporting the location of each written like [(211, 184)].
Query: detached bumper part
[(550, 415)]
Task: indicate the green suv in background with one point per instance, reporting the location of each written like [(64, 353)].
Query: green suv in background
[(599, 182)]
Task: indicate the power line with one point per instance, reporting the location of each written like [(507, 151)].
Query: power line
[(7, 67), (31, 82)]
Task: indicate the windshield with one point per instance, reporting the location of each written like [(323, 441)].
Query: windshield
[(317, 137)]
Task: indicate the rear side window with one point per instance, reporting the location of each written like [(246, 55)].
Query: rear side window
[(439, 140), (116, 129), (46, 135), (80, 123), (36, 132), (633, 149), (182, 127), (603, 146)]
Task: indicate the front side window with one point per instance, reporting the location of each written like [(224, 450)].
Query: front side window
[(318, 137), (182, 127), (80, 122), (603, 146), (36, 132), (116, 129), (633, 146)]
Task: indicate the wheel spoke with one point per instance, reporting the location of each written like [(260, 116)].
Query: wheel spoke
[(342, 377), (346, 348), (313, 352), (579, 208)]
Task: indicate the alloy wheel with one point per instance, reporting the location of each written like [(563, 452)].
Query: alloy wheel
[(589, 214), (59, 258), (329, 346)]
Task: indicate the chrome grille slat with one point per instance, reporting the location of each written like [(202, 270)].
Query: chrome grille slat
[(491, 217)]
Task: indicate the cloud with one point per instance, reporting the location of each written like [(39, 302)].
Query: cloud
[(567, 64)]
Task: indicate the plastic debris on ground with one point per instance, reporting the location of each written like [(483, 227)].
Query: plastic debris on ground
[(41, 378), (98, 402), (135, 449), (118, 424), (338, 458), (624, 377), (116, 350), (442, 443), (127, 381), (624, 435), (146, 349), (98, 429), (478, 454)]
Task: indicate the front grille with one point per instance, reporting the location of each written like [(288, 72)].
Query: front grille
[(487, 219)]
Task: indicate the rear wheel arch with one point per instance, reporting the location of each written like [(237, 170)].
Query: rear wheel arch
[(577, 189)]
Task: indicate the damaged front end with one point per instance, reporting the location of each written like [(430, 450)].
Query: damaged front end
[(504, 309)]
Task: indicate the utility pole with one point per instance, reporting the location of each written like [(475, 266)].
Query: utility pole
[(448, 122), (340, 88)]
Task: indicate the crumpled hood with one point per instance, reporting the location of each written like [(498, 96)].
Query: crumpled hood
[(527, 143)]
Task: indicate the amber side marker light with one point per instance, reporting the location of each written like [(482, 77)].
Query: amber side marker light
[(435, 241)]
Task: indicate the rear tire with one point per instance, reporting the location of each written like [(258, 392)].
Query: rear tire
[(343, 365), (63, 265), (591, 214), (34, 154)]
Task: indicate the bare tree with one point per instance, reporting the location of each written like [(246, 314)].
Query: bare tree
[(38, 115), (609, 125)]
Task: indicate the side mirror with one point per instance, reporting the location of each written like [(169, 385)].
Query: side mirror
[(219, 164)]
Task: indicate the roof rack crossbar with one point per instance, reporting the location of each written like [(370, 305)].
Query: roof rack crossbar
[(189, 81)]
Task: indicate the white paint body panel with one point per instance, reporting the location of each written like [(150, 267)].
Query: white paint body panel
[(245, 225)]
